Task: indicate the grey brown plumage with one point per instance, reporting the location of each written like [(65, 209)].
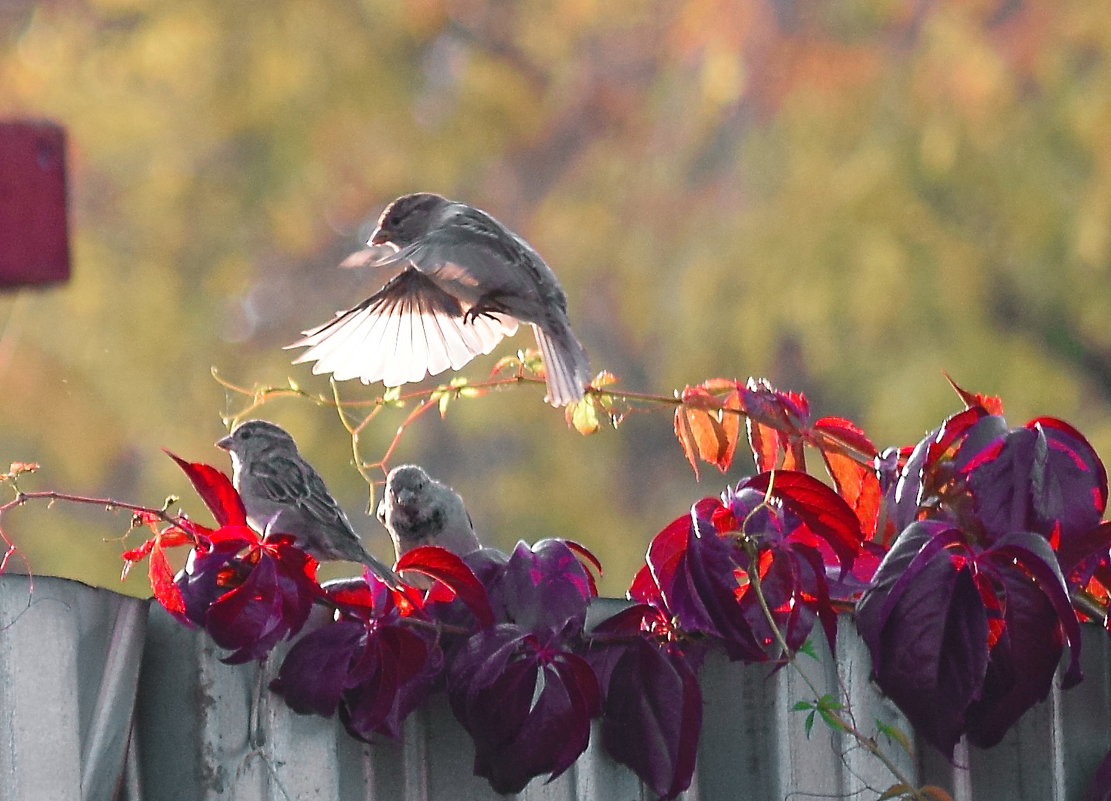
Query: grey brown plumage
[(284, 494), (419, 510), (465, 282)]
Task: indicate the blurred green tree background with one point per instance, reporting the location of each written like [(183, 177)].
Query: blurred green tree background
[(846, 197)]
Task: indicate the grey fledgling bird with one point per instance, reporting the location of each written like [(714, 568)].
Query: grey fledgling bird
[(283, 494), (465, 282), (419, 510)]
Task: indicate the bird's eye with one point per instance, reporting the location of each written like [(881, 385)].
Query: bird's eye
[(244, 434), (394, 220)]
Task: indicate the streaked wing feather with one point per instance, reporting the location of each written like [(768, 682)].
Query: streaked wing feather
[(279, 479), (322, 506), (408, 329)]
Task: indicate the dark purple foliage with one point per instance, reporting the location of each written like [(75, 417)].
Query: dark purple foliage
[(373, 672), (926, 629), (969, 612), (249, 593), (1043, 477), (966, 639), (1022, 661), (526, 702), (368, 664), (543, 588), (700, 564), (652, 716), (249, 596), (208, 572), (371, 664), (652, 712), (518, 688), (966, 616)]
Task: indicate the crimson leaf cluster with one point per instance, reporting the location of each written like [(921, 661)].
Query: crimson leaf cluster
[(961, 556)]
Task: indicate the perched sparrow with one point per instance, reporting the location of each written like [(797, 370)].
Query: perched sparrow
[(419, 510), (466, 281), (285, 495)]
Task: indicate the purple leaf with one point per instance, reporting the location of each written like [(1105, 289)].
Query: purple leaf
[(1023, 660), (1027, 551), (1043, 477), (787, 584), (543, 589), (392, 675), (704, 595), (822, 510), (909, 555), (1075, 489), (929, 651), (248, 595), (526, 705), (202, 579), (1005, 478), (369, 664), (1078, 549), (821, 602), (683, 580), (653, 716), (964, 435), (317, 668), (248, 620)]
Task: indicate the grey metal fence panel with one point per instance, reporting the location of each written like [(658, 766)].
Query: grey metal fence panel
[(69, 666), (206, 730)]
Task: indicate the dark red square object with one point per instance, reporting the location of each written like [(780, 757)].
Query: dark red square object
[(34, 244)]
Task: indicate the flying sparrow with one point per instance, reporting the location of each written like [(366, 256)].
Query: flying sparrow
[(465, 282)]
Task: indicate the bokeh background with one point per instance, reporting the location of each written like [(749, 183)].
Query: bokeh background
[(848, 197)]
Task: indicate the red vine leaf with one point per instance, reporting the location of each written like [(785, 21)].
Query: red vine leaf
[(707, 427), (216, 491), (162, 584), (450, 570), (990, 403)]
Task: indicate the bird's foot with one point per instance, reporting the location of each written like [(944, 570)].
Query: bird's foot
[(487, 306)]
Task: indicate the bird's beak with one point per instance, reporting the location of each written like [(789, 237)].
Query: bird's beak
[(224, 443), (379, 237)]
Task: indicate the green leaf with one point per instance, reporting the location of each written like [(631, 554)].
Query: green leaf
[(894, 734), (808, 649), (831, 720), (583, 416)]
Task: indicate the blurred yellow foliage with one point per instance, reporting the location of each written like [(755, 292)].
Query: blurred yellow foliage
[(845, 197)]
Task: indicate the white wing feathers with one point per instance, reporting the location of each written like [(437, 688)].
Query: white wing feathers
[(408, 329)]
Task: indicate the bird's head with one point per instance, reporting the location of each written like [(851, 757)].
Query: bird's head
[(407, 219), (405, 486), (255, 437)]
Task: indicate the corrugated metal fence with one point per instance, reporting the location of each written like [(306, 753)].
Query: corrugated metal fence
[(103, 697)]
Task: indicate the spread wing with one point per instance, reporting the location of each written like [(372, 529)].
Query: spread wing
[(406, 330)]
